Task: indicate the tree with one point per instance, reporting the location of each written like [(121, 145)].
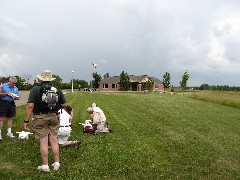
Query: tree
[(204, 87), (149, 84), (26, 77), (124, 81), (82, 83), (57, 82), (97, 78), (20, 82), (166, 80), (184, 81), (106, 75)]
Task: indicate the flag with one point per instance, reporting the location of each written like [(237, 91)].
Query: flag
[(94, 65)]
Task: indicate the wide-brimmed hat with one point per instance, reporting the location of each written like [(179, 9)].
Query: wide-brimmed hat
[(46, 76)]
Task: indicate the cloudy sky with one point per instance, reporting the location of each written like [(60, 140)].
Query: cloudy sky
[(136, 36)]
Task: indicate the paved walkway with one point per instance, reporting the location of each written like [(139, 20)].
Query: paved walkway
[(23, 98)]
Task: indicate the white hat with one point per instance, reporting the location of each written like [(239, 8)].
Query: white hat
[(46, 76), (90, 109)]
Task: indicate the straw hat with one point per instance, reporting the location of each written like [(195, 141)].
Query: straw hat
[(46, 76)]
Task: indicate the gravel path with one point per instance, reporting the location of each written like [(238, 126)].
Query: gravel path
[(23, 98)]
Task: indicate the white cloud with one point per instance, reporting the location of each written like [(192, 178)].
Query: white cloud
[(139, 37), (9, 64)]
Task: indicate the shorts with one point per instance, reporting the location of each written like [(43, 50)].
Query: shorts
[(7, 108), (63, 134), (45, 124)]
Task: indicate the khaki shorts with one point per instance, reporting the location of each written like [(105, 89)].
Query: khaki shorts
[(45, 124)]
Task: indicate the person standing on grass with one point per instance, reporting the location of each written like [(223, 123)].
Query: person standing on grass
[(45, 101), (8, 94), (65, 129)]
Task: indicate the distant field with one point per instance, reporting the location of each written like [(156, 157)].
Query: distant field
[(157, 136), (227, 98)]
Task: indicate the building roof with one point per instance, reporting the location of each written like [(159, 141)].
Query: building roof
[(138, 79), (110, 80)]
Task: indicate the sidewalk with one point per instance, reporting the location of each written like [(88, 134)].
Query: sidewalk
[(23, 98)]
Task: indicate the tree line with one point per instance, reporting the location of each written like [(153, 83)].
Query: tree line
[(23, 84), (218, 87)]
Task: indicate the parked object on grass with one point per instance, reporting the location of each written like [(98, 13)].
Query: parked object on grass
[(23, 135)]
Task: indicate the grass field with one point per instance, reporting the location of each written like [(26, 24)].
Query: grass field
[(156, 136)]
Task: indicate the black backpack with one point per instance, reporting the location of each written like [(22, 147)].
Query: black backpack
[(50, 98)]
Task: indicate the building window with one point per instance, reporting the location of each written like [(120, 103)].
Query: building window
[(105, 86), (114, 86)]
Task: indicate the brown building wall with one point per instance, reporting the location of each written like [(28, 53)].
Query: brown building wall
[(158, 88), (100, 87)]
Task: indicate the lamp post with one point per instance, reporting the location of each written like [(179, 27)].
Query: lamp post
[(72, 81)]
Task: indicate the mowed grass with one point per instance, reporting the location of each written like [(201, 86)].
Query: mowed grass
[(156, 136)]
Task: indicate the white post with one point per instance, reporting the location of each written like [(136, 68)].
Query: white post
[(72, 81)]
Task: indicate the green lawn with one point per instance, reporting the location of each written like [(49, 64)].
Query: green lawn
[(156, 136)]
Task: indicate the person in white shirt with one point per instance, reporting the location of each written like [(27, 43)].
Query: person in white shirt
[(65, 129), (98, 119)]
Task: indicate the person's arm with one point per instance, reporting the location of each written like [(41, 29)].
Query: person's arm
[(4, 91), (64, 106), (3, 94), (18, 96), (28, 113)]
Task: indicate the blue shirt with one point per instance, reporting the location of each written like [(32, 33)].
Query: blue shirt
[(7, 88)]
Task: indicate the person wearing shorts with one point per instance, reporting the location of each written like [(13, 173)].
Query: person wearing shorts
[(9, 92), (45, 121)]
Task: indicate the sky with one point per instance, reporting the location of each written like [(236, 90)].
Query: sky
[(139, 37)]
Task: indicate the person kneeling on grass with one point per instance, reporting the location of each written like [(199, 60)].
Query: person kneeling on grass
[(65, 129), (98, 119)]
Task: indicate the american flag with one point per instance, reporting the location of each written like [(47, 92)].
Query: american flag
[(94, 65)]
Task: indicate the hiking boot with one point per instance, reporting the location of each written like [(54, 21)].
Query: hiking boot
[(96, 132), (43, 169), (77, 145), (56, 166), (10, 135), (110, 129)]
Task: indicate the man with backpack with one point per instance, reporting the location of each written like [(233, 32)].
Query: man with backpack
[(44, 101)]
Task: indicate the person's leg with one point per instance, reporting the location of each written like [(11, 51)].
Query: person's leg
[(74, 144), (1, 125), (1, 122), (44, 150), (55, 150), (102, 127), (67, 143), (10, 114), (54, 146), (3, 114), (44, 154), (9, 124)]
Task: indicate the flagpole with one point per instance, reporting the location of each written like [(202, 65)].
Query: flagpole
[(72, 81), (94, 66)]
